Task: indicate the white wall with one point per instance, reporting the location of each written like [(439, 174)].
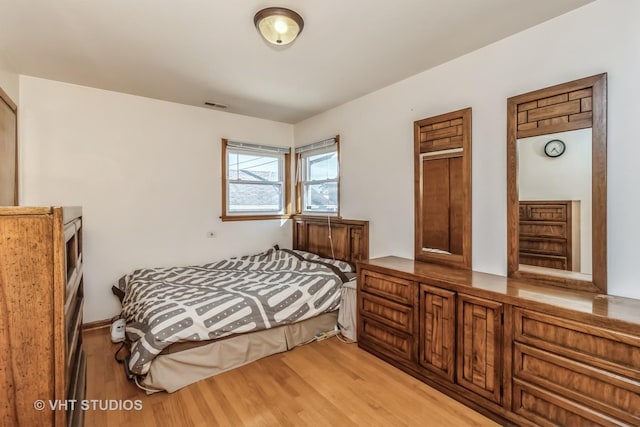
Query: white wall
[(567, 177), (147, 174), (376, 132), (9, 81)]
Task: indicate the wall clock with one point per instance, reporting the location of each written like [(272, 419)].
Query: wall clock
[(554, 148)]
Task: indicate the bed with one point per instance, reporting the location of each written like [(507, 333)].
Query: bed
[(189, 323)]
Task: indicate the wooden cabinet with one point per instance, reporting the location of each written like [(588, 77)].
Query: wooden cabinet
[(437, 330), (519, 352), (41, 300), (480, 346), (549, 234)]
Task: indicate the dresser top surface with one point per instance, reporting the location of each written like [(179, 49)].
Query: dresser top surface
[(68, 213), (25, 210), (605, 306)]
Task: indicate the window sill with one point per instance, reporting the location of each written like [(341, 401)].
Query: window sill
[(316, 215), (225, 218)]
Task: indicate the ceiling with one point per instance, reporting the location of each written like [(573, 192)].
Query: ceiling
[(194, 51)]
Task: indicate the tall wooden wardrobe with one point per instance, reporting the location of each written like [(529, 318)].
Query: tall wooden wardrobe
[(42, 364)]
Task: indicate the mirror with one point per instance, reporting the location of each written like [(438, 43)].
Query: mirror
[(556, 179), (442, 161), (554, 183), (8, 151)]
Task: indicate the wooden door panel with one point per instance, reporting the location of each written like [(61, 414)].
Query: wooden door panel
[(479, 346), (437, 330)]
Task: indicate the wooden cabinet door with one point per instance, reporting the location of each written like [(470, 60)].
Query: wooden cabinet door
[(437, 330), (479, 346)]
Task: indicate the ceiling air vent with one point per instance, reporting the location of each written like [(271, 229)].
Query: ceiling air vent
[(213, 104)]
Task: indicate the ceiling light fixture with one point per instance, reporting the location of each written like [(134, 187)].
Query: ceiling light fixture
[(278, 26)]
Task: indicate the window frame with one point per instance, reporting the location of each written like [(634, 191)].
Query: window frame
[(300, 181), (286, 184)]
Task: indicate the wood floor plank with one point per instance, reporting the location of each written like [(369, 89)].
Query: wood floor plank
[(378, 384), (324, 383)]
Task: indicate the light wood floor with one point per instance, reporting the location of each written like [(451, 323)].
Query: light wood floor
[(325, 383)]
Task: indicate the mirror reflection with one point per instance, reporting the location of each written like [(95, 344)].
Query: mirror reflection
[(442, 171), (555, 206), (557, 216)]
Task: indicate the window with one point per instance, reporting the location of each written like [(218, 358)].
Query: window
[(318, 177), (255, 182)]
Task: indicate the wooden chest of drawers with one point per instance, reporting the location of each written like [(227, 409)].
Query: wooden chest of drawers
[(549, 234), (41, 301)]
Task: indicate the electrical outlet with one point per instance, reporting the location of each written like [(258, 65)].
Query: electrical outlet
[(211, 234)]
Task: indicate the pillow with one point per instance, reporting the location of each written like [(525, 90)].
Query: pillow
[(343, 266)]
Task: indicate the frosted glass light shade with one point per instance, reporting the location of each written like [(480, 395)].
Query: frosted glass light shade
[(278, 26)]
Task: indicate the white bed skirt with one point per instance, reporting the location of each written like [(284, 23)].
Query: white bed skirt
[(170, 372), (347, 314)]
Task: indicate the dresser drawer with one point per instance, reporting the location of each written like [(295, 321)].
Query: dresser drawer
[(385, 339), (604, 348), (74, 331), (557, 230), (77, 392), (547, 212), (544, 246), (76, 373), (390, 313), (548, 409), (596, 388), (548, 261), (73, 309), (390, 287)]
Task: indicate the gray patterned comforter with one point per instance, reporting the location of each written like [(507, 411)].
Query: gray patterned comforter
[(167, 305)]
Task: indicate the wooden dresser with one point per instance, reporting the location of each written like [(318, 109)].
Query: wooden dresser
[(42, 364), (550, 234), (515, 351)]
